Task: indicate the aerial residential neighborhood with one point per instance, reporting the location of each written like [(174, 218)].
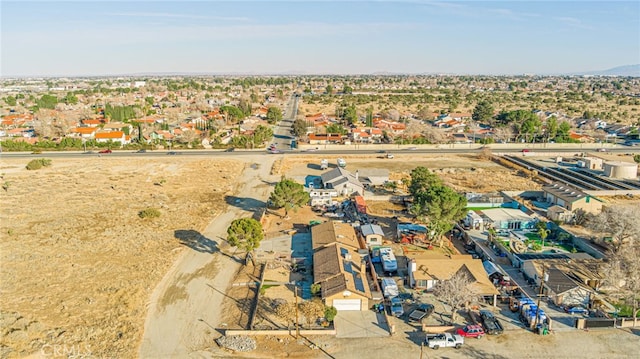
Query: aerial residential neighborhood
[(376, 179)]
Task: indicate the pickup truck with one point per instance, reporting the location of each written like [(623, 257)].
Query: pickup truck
[(491, 324), (396, 307), (436, 341)]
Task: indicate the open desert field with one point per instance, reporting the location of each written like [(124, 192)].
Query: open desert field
[(78, 264)]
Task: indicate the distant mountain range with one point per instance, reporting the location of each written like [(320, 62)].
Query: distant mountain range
[(628, 70)]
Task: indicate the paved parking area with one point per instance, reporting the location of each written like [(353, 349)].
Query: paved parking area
[(360, 324)]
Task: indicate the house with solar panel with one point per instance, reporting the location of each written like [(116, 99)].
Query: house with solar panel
[(342, 276), (338, 267)]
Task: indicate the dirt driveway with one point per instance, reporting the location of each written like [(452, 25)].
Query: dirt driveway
[(185, 307)]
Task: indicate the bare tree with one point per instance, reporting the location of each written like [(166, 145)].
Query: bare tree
[(619, 222), (393, 114), (285, 310), (414, 128), (622, 276), (44, 123), (188, 136), (312, 310), (485, 153), (434, 135), (456, 291), (504, 133)]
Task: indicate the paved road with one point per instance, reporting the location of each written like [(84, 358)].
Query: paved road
[(282, 134), (284, 146)]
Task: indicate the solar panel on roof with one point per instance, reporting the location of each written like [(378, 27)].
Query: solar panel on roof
[(357, 280)]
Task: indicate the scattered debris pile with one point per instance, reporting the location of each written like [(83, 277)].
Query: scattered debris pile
[(238, 343)]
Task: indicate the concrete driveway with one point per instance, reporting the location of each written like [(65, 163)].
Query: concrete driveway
[(360, 324)]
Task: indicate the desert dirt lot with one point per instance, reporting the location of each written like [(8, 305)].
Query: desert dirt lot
[(465, 173), (77, 263)]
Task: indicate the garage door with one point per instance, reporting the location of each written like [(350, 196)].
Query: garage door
[(346, 304)]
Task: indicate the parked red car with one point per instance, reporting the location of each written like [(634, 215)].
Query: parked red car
[(471, 331), (105, 151)]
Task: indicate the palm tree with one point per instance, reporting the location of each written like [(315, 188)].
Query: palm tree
[(543, 233)]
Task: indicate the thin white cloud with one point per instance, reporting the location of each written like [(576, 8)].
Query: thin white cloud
[(177, 16), (178, 33), (510, 14), (444, 5), (572, 21)]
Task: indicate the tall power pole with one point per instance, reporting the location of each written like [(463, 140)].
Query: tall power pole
[(295, 294)]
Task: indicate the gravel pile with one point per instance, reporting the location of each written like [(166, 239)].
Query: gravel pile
[(239, 343)]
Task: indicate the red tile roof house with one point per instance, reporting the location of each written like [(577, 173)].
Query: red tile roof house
[(360, 135), (390, 126), (93, 122), (113, 136), (323, 139), (315, 117), (20, 132), (580, 137), (261, 112), (162, 135), (86, 132)]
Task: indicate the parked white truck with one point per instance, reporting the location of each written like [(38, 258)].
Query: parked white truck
[(437, 341)]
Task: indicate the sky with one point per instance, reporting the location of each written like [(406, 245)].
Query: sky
[(82, 38)]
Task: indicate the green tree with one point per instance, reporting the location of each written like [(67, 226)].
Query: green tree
[(552, 127), (636, 158), (347, 90), (336, 128), (483, 112), (10, 100), (421, 180), (369, 118), (329, 90), (563, 132), (245, 106), (543, 232), (299, 127), (232, 114), (531, 126), (350, 114), (70, 98), (274, 114), (443, 206), (245, 233), (330, 313), (47, 101), (288, 194)]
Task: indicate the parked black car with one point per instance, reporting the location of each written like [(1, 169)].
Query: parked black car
[(490, 323)]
